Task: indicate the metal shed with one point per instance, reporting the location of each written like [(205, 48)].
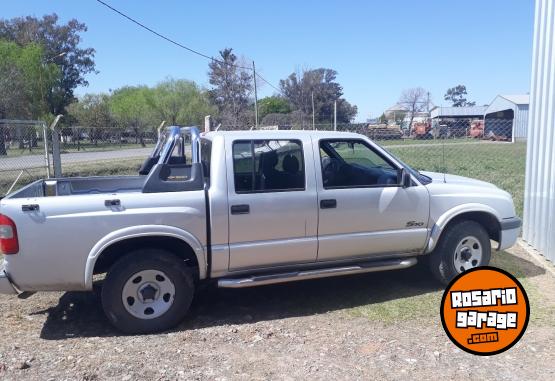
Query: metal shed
[(458, 112), (539, 191), (507, 115)]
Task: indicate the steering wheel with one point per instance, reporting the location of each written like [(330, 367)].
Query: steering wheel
[(387, 178), (331, 172)]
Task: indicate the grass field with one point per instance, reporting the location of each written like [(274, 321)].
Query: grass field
[(501, 164), (426, 141)]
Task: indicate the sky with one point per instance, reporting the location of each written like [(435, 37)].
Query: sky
[(378, 48)]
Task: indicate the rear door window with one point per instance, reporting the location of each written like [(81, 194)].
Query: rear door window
[(268, 166)]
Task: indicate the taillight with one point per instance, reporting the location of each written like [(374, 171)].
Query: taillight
[(8, 236)]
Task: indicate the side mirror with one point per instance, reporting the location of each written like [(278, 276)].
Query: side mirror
[(403, 178)]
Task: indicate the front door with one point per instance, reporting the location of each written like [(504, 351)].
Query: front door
[(272, 198), (363, 212)]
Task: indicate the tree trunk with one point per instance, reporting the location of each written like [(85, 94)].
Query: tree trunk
[(94, 136), (20, 138), (411, 120), (3, 151), (34, 140)]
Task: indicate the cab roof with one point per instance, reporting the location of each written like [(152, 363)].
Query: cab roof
[(283, 134)]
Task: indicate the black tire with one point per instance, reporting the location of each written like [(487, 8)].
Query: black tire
[(121, 272), (442, 258)]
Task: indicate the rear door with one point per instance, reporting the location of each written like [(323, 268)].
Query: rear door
[(363, 212), (272, 197)]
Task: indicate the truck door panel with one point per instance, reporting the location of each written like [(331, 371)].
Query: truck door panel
[(272, 202), (372, 215)]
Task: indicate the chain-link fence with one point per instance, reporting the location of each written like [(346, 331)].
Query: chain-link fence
[(23, 153), (104, 151), (87, 139), (27, 152)]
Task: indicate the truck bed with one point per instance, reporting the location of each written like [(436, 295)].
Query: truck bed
[(81, 185)]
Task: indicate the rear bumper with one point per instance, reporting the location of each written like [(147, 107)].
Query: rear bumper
[(510, 230), (6, 287)]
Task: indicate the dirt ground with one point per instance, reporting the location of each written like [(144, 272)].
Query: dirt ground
[(374, 326)]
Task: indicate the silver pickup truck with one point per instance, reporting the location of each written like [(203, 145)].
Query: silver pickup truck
[(242, 209)]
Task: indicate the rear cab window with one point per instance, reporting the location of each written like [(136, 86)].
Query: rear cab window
[(205, 158)]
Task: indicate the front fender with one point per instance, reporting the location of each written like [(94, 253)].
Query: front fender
[(442, 221), (143, 231)]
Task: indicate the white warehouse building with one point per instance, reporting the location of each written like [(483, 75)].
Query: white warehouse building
[(507, 115)]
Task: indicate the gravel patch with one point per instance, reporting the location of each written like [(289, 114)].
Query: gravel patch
[(315, 329)]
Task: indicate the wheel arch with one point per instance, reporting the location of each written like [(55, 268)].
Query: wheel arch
[(114, 245), (482, 214)]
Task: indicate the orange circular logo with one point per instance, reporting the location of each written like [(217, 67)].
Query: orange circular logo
[(485, 311)]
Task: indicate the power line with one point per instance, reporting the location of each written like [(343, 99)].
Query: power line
[(275, 88), (164, 37), (181, 45)]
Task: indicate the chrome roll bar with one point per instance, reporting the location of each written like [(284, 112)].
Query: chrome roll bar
[(174, 133)]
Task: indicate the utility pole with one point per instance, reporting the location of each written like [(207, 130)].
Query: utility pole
[(434, 133), (56, 157), (335, 115), (255, 97), (207, 123), (313, 119)]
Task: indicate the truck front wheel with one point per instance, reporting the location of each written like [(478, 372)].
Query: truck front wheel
[(463, 246), (147, 291)]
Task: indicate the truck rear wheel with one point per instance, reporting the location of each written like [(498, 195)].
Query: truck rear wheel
[(147, 291), (465, 245)]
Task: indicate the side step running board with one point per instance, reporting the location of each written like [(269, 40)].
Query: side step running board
[(367, 267)]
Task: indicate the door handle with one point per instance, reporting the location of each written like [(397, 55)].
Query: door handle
[(328, 204), (240, 209), (110, 203), (30, 208)]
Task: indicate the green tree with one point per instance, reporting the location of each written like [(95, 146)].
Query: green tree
[(92, 111), (180, 102), (457, 96), (131, 109), (273, 105), (231, 89), (322, 85), (24, 78), (61, 46)]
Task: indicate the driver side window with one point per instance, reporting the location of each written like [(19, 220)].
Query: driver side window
[(350, 163)]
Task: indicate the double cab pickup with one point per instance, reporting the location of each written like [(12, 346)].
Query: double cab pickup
[(242, 209)]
